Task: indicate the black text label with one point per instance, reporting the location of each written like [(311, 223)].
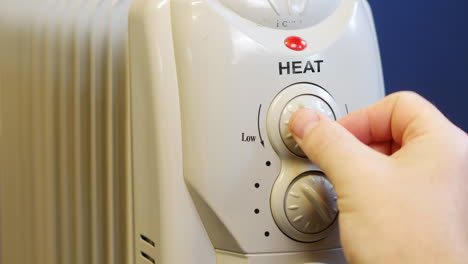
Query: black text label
[(299, 67)]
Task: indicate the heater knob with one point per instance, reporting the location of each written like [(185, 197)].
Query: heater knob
[(288, 101), (284, 14), (310, 203), (297, 103)]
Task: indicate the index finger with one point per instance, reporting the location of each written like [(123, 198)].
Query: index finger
[(399, 117)]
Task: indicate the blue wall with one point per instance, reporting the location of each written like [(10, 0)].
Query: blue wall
[(424, 48)]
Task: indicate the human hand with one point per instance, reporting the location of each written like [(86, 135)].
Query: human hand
[(400, 171)]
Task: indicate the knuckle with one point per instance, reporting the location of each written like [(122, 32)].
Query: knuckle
[(409, 96)]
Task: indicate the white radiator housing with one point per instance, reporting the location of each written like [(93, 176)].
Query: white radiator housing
[(207, 75), (147, 131)]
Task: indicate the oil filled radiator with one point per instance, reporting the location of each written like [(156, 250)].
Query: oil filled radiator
[(156, 131)]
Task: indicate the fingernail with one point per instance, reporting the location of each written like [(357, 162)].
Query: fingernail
[(302, 121)]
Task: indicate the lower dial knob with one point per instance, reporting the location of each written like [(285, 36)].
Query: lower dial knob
[(310, 203)]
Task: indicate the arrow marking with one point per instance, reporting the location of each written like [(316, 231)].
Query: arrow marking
[(258, 126)]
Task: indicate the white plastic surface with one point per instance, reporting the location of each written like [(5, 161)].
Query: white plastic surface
[(284, 14), (163, 209), (334, 256)]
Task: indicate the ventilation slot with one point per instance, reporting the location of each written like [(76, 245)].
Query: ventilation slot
[(147, 240), (147, 257)]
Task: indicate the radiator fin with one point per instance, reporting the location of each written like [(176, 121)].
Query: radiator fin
[(65, 185)]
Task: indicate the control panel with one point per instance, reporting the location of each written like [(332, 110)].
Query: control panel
[(303, 201)]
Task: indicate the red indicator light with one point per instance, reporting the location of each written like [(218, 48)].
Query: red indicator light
[(295, 43)]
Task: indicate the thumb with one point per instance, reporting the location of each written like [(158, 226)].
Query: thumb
[(331, 147)]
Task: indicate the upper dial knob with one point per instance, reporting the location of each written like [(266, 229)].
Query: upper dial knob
[(288, 101), (297, 103), (283, 14)]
